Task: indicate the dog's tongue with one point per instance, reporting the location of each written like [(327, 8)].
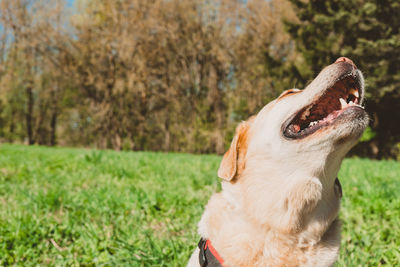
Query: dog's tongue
[(295, 128)]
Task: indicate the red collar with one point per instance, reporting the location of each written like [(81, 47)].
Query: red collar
[(208, 255)]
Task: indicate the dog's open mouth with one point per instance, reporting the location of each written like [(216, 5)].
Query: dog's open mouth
[(344, 94)]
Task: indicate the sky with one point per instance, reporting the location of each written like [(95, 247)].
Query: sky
[(70, 2)]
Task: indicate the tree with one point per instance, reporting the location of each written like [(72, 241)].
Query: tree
[(33, 70), (176, 69), (144, 75)]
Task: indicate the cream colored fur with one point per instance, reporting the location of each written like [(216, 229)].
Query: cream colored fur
[(279, 205)]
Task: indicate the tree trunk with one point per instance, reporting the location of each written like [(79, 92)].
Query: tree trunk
[(54, 115), (220, 140), (12, 128), (29, 115), (53, 127), (167, 137)]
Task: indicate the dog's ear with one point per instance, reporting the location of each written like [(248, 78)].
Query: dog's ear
[(233, 162)]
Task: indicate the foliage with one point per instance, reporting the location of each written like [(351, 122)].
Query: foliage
[(31, 72), (179, 75), (74, 207), (144, 75), (366, 31)]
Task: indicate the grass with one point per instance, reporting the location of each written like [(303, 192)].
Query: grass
[(72, 207)]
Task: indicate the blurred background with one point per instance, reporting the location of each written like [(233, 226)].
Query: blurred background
[(170, 75)]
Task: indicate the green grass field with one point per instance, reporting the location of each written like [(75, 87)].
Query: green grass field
[(72, 207)]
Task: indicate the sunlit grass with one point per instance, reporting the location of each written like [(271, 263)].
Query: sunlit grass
[(66, 207)]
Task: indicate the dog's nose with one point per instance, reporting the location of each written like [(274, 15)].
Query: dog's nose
[(345, 59)]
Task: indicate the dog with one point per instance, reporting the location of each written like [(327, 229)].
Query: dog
[(280, 194)]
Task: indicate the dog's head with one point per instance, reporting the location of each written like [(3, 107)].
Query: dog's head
[(287, 156), (303, 129)]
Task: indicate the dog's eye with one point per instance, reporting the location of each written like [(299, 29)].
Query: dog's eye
[(289, 92)]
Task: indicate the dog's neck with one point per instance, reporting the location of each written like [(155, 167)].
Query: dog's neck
[(311, 197), (228, 221), (285, 210)]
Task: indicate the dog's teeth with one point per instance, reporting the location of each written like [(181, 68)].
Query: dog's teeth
[(306, 113), (351, 103), (359, 106), (343, 102), (355, 92)]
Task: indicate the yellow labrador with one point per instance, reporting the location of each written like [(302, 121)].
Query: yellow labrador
[(280, 194)]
